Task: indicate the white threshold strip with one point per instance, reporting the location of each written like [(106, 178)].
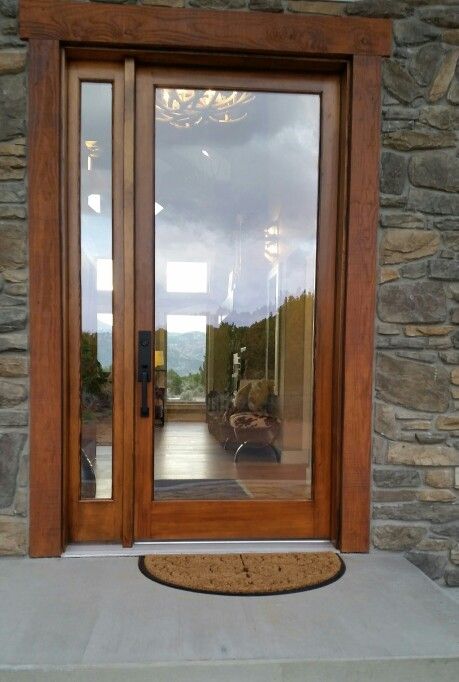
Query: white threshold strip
[(198, 547)]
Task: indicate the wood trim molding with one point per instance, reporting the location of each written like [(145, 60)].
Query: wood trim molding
[(46, 349), (188, 29), (359, 313)]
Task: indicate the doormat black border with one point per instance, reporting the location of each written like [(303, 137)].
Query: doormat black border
[(296, 590)]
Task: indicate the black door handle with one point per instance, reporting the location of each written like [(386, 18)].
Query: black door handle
[(144, 409), (144, 369)]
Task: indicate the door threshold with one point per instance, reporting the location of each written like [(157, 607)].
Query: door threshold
[(198, 547)]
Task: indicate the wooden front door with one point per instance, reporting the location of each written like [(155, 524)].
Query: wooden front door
[(236, 211), (203, 320)]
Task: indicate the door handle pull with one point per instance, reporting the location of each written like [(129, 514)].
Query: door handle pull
[(144, 369), (144, 409)]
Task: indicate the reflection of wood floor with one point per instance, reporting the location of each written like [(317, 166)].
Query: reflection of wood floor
[(186, 450)]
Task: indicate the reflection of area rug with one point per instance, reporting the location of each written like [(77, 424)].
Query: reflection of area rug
[(244, 574), (199, 489)]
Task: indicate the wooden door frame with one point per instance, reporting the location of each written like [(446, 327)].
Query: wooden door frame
[(353, 45)]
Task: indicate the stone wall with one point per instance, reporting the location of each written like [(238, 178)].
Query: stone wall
[(13, 287), (416, 421)]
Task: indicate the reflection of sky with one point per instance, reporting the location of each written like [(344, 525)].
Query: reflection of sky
[(255, 173), (96, 228)]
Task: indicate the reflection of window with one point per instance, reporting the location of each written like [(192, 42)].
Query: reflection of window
[(186, 277), (186, 350), (104, 274)]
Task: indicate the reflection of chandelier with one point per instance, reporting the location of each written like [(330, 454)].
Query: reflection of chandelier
[(272, 242), (186, 108)]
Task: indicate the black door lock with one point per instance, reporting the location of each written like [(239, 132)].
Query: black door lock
[(144, 369)]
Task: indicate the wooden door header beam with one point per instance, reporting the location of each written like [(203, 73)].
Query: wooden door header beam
[(213, 31)]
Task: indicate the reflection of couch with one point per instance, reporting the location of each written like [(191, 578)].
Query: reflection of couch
[(249, 420)]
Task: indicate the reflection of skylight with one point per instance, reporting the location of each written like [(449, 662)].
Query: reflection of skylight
[(104, 320), (104, 274), (182, 324), (186, 277), (94, 202)]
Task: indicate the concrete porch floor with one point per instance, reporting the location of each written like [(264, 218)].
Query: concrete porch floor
[(100, 619)]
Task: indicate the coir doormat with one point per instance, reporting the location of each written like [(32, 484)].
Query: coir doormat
[(244, 574)]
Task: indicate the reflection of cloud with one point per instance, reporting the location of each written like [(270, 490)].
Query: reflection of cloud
[(259, 171)]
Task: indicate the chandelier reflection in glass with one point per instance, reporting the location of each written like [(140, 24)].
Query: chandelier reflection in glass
[(186, 108)]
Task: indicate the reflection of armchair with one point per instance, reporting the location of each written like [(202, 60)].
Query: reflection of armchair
[(247, 421)]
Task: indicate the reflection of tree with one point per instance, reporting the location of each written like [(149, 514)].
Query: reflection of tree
[(95, 381), (259, 341), (187, 388)]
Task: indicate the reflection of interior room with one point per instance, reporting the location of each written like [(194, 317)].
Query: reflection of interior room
[(235, 235)]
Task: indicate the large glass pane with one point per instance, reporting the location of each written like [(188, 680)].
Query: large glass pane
[(96, 291), (236, 191)]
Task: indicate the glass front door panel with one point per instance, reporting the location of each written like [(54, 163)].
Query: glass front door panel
[(96, 340), (236, 202)]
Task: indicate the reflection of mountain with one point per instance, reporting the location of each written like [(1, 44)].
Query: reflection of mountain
[(185, 352), (104, 349)]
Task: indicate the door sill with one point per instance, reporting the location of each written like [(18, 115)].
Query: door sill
[(198, 547)]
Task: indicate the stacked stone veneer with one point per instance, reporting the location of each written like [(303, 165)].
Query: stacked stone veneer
[(416, 421), (13, 287)]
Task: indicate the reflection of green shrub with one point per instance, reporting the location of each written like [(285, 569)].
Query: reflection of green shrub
[(93, 377), (187, 388)]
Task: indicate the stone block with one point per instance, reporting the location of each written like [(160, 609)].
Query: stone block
[(12, 247), (452, 577), (312, 7), (14, 366), (164, 3), (12, 61), (415, 454), (12, 319), (393, 495), (424, 356), (13, 534), (218, 4), (436, 495), (448, 422), (13, 342), (379, 449), (396, 478), (443, 77), (451, 240), (442, 268), (11, 393), (14, 418), (438, 16), (399, 82), (434, 545), (453, 92), (414, 270), (430, 563), (439, 116), (412, 140), (266, 5), (436, 512), (411, 31), (412, 302), (12, 106), (401, 245), (399, 220), (428, 330), (439, 478), (455, 376), (448, 530), (446, 224), (429, 201), (388, 275), (425, 62), (393, 537), (387, 329), (386, 9), (393, 172), (11, 445), (384, 421), (12, 192), (435, 170)]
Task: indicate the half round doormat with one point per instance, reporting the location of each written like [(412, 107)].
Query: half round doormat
[(244, 574)]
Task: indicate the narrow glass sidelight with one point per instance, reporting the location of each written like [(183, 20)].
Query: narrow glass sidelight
[(96, 244), (236, 204)]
